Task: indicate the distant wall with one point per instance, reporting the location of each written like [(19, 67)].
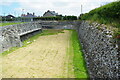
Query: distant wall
[(10, 35), (100, 49), (60, 24)]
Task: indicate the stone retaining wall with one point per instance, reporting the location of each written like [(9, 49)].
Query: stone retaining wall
[(99, 46), (100, 49), (10, 35), (60, 24)]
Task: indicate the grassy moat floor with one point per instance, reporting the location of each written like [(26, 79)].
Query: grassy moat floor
[(50, 54)]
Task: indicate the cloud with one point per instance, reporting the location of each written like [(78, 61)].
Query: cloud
[(65, 7), (60, 4)]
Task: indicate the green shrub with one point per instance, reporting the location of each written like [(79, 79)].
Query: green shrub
[(108, 14)]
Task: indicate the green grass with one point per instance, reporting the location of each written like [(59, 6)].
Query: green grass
[(108, 14), (80, 69), (9, 51), (31, 39), (5, 24)]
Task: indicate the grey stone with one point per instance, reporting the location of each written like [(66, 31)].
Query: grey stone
[(100, 50)]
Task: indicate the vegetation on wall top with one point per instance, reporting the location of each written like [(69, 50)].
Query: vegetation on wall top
[(109, 13)]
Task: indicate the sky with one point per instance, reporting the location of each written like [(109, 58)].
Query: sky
[(39, 7)]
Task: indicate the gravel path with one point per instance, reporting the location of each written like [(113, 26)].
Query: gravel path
[(47, 57)]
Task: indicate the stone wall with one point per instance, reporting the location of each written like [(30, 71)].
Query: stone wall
[(100, 50), (99, 46), (10, 35), (60, 24)]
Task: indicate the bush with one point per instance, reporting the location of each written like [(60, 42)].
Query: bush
[(107, 14), (70, 18), (48, 18), (56, 18)]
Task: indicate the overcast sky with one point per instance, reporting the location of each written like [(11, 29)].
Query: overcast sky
[(64, 7)]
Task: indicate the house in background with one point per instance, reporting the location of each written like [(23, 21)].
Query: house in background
[(50, 13), (28, 17), (10, 17)]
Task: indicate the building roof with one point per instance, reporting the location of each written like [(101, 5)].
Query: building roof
[(29, 15), (52, 12), (10, 16)]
